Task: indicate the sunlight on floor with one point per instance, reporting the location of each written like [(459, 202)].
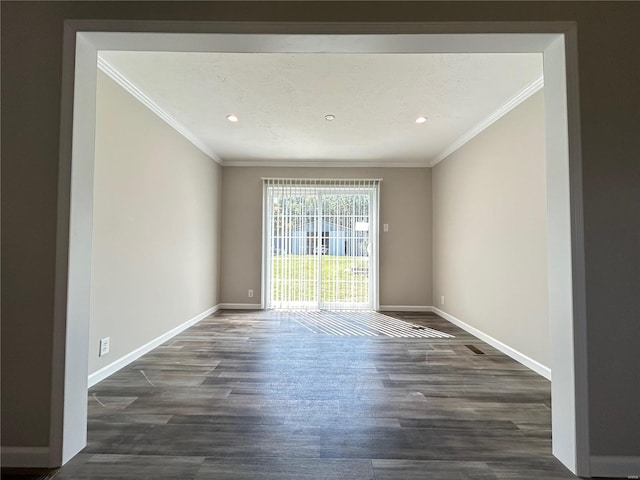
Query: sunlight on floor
[(361, 323)]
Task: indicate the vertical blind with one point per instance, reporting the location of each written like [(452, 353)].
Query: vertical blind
[(320, 242)]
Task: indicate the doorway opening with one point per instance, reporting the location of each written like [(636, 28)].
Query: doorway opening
[(320, 239), (567, 302)]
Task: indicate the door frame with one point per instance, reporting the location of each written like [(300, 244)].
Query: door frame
[(374, 239), (567, 298)]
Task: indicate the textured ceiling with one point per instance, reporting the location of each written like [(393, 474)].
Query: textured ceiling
[(281, 101)]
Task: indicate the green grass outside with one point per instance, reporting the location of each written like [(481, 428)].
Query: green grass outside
[(344, 278)]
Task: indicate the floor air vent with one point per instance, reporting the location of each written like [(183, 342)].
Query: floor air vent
[(475, 349)]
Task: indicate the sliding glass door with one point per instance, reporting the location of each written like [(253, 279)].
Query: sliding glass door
[(320, 244)]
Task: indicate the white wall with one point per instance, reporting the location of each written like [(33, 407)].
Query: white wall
[(490, 244), (405, 250), (155, 250)]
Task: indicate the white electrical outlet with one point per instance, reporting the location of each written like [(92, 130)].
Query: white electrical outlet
[(442, 300), (385, 227), (250, 293), (104, 345)]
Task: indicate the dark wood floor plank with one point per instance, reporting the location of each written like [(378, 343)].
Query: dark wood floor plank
[(130, 467), (436, 469), (286, 469), (246, 395)]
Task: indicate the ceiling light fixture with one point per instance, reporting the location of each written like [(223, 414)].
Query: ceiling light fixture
[(421, 119), (232, 118), (329, 118)]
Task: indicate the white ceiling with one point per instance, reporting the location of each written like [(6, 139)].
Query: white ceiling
[(281, 100)]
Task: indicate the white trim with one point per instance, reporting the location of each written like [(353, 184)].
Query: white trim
[(70, 354), (343, 182), (573, 145), (326, 163), (240, 306), (528, 362), (77, 152), (509, 105), (375, 223), (318, 187), (607, 466), (139, 95), (405, 308), (125, 360), (25, 457), (266, 251)]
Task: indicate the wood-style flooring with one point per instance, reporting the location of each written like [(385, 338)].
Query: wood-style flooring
[(256, 395)]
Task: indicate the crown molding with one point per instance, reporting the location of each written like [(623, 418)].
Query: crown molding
[(325, 163), (121, 80), (509, 105)]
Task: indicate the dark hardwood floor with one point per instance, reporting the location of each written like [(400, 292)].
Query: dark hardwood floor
[(256, 395)]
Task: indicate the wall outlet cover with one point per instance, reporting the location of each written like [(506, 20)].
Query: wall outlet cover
[(104, 345)]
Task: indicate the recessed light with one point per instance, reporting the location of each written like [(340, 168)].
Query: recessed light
[(232, 118), (421, 119), (329, 118)]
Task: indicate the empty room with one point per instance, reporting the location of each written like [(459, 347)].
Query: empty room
[(307, 193), (318, 384), (321, 253)]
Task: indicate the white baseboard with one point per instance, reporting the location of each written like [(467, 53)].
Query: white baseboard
[(113, 367), (405, 308), (506, 349), (240, 306), (622, 467), (24, 457)]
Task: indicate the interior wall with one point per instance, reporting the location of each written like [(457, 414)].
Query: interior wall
[(405, 250), (156, 227), (490, 254)]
